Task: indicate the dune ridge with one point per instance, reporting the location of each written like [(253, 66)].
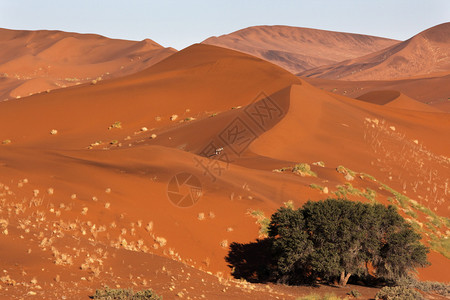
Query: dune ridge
[(395, 99), (298, 49), (432, 91), (36, 61), (424, 54)]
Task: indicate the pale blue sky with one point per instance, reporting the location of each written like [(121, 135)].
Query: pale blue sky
[(181, 23)]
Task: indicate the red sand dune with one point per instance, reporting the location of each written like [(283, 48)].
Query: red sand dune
[(298, 49), (36, 61), (433, 91), (397, 100), (424, 54), (117, 176)]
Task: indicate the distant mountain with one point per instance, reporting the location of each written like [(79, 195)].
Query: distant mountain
[(426, 53), (36, 61), (298, 49)]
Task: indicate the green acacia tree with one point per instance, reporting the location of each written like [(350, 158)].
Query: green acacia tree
[(338, 235), (291, 247), (335, 238)]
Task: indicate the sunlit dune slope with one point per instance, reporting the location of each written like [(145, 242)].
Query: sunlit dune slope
[(298, 49), (432, 90), (424, 54), (36, 61)]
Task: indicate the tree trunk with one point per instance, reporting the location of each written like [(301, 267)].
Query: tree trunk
[(344, 278)]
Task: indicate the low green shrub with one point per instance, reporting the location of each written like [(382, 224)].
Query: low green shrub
[(316, 186), (440, 288), (398, 293), (303, 169), (370, 194), (116, 124), (320, 164), (263, 222), (440, 244), (289, 204), (348, 188), (345, 171), (435, 287), (125, 294), (354, 293), (320, 297), (364, 176)]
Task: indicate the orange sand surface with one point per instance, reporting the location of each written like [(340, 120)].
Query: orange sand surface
[(91, 176), (425, 53), (38, 61), (298, 49)]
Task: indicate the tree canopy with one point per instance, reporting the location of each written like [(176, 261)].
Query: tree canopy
[(335, 238)]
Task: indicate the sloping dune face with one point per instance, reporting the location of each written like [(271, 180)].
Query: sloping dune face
[(174, 161), (426, 53), (397, 100), (298, 49), (380, 97), (36, 61), (433, 91)]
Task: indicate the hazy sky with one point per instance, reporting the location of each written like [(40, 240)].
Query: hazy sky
[(181, 23)]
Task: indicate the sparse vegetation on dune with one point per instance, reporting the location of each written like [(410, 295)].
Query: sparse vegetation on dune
[(319, 163), (328, 296), (345, 171), (441, 245), (354, 293), (398, 293), (348, 189), (316, 186), (438, 242), (262, 221), (117, 125), (125, 294), (440, 288), (302, 169)]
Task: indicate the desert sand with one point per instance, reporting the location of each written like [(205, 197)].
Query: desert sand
[(42, 60), (418, 68), (432, 91), (298, 49), (90, 175), (424, 54)]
